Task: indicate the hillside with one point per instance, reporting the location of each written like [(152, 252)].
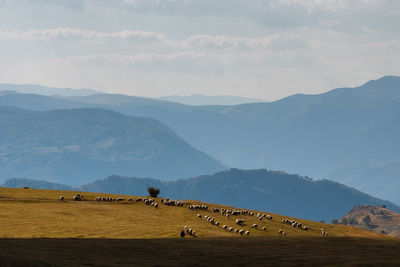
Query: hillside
[(347, 135), (276, 192), (37, 213), (374, 218), (79, 145), (38, 229)]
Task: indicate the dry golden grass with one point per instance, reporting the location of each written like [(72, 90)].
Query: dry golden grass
[(31, 213), (39, 230)]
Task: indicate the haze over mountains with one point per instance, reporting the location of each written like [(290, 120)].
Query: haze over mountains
[(347, 135), (271, 191), (45, 90), (79, 145), (202, 100)]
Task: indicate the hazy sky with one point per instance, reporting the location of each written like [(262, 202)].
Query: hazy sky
[(259, 48)]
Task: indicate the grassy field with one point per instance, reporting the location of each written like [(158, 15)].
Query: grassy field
[(50, 231)]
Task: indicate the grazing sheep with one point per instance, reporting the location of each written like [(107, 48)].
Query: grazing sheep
[(185, 227), (61, 198), (280, 231), (199, 215), (230, 229), (155, 205), (138, 199), (284, 233), (254, 226), (77, 197), (241, 232), (236, 230), (264, 228), (216, 223), (225, 227), (247, 232), (239, 221), (227, 215), (129, 199), (305, 228)]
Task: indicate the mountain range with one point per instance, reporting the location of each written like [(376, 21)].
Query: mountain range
[(273, 191), (347, 135), (79, 145), (203, 100), (46, 90)]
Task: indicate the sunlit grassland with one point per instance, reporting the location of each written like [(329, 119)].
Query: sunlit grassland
[(31, 213)]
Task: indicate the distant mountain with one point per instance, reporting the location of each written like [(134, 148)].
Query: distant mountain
[(79, 145), (202, 100), (348, 135), (37, 184), (272, 191), (374, 218), (45, 90)]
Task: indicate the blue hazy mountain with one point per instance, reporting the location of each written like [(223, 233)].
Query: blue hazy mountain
[(271, 191), (79, 145), (347, 134), (203, 100), (46, 90)]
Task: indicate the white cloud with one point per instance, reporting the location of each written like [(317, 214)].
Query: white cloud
[(80, 34), (281, 41)]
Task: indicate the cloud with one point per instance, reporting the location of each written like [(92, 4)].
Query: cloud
[(80, 34), (281, 41)]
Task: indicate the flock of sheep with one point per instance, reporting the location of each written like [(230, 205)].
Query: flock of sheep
[(228, 213), (210, 219), (295, 224)]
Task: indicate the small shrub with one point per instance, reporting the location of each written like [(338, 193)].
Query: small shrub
[(344, 221), (153, 192), (334, 221), (353, 221), (367, 220)]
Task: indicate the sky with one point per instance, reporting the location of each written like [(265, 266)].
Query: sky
[(252, 48)]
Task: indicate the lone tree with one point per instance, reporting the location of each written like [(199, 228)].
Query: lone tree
[(153, 192)]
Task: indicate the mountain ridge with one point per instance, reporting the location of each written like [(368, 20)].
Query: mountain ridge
[(77, 145)]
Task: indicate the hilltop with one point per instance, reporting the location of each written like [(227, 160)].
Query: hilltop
[(348, 135), (374, 218), (39, 229), (77, 146), (274, 191)]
